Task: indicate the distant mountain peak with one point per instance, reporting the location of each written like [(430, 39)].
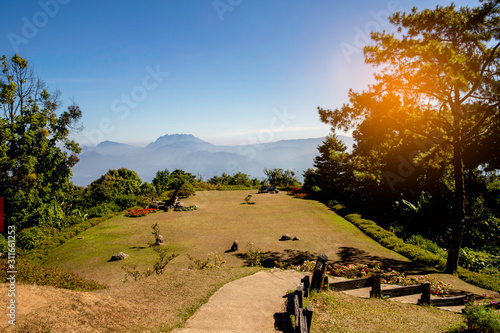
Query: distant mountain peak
[(170, 139)]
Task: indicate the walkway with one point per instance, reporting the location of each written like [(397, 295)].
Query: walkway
[(245, 305)]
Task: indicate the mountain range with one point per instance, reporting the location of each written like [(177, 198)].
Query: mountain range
[(201, 158)]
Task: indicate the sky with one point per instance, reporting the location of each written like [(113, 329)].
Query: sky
[(229, 72)]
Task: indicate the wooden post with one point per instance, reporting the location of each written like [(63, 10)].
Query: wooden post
[(319, 272), (308, 313), (426, 294), (375, 292), (299, 295), (307, 285)]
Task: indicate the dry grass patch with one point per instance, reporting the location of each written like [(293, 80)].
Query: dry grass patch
[(339, 312), (155, 304)]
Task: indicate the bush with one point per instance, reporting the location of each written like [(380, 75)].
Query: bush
[(482, 319), (233, 187), (426, 244), (125, 201), (3, 245), (144, 202), (214, 260), (31, 238), (185, 209), (491, 282), (475, 261), (392, 242), (103, 209)]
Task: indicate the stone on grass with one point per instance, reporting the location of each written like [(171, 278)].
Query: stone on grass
[(118, 256), (296, 238), (160, 240), (235, 246), (285, 237)]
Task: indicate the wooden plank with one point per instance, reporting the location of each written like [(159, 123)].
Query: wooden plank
[(351, 284), (403, 291), (450, 301), (297, 310), (298, 293), (425, 299), (302, 328), (308, 313), (307, 285)]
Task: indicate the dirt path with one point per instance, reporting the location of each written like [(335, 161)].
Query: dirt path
[(245, 305)]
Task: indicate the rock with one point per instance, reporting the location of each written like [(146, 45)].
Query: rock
[(118, 256), (285, 237), (179, 204), (296, 238), (154, 205), (160, 240), (235, 246)]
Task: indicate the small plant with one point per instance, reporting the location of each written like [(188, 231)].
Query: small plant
[(155, 233), (254, 257), (481, 319), (214, 260), (247, 200), (163, 260), (185, 209), (132, 271)]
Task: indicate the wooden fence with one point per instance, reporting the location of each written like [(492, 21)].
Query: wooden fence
[(374, 282), (294, 307)]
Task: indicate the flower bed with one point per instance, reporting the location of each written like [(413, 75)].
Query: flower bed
[(140, 212)]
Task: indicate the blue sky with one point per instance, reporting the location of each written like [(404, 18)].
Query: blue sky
[(227, 71)]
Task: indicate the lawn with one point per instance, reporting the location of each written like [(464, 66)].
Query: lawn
[(221, 218)]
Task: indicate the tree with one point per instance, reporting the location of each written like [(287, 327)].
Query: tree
[(280, 177), (178, 179), (112, 184), (36, 154), (435, 99), (161, 181)]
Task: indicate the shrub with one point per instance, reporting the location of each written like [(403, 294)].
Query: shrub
[(475, 261), (426, 244), (233, 187), (185, 209), (144, 202), (392, 242), (31, 238), (125, 201), (3, 245), (103, 209), (491, 282), (482, 319)]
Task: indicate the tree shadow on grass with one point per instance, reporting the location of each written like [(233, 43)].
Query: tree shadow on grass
[(294, 257), (351, 255)]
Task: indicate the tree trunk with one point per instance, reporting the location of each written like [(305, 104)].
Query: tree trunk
[(459, 207)]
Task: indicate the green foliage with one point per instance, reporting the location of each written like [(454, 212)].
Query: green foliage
[(125, 201), (144, 202), (281, 178), (475, 261), (232, 188), (390, 241), (113, 184), (36, 154), (426, 244), (30, 273), (31, 238), (3, 244), (103, 209), (486, 281), (482, 319), (161, 181), (185, 209)]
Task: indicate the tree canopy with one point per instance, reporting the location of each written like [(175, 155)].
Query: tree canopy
[(36, 154), (433, 114)]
